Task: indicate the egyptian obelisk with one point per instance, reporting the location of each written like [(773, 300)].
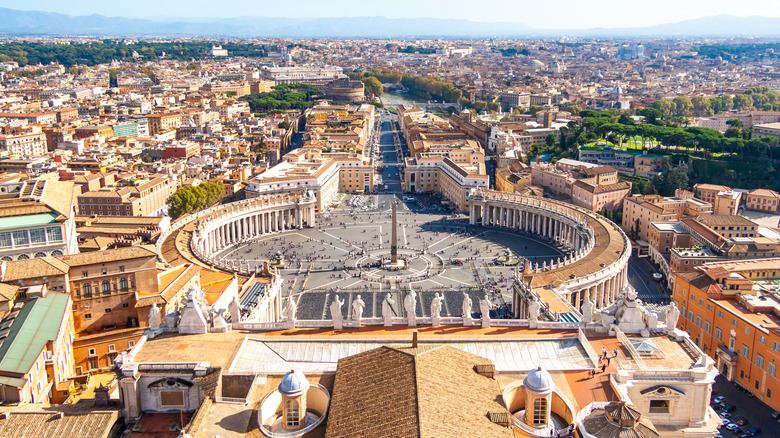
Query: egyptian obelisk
[(394, 240)]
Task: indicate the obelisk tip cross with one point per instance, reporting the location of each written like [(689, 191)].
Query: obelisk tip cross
[(394, 238)]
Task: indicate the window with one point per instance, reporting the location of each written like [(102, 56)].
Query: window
[(21, 238), (698, 321), (745, 351), (540, 411), (659, 406), (121, 268), (123, 283), (292, 417), (775, 346), (103, 271), (706, 326), (756, 384), (762, 340), (690, 315), (54, 233), (125, 305), (38, 235), (87, 316), (106, 286), (130, 344), (92, 352), (760, 361), (734, 322), (720, 314), (5, 240), (84, 274), (87, 289), (741, 374), (111, 347), (107, 310), (747, 330), (768, 393), (770, 368)]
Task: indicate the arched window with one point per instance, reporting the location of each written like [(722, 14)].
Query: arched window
[(540, 411), (106, 286), (87, 289), (123, 283), (23, 257), (292, 416), (56, 252), (39, 255)]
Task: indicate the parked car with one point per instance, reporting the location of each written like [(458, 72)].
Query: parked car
[(753, 431), (725, 415), (719, 399), (732, 426), (727, 408), (743, 422), (775, 415)]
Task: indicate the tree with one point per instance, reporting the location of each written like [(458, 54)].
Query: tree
[(534, 109), (735, 123), (664, 106), (701, 106), (374, 86), (683, 106), (651, 115), (743, 102), (550, 140), (493, 106), (189, 199)]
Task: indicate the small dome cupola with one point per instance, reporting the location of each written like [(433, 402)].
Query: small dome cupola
[(294, 384), (539, 381)]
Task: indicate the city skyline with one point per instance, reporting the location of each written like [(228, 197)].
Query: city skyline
[(576, 15)]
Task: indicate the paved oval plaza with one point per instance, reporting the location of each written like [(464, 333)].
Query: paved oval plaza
[(345, 255)]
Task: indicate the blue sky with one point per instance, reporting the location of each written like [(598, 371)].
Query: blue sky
[(573, 14)]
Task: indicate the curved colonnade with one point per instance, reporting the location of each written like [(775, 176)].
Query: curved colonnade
[(250, 218), (596, 268)]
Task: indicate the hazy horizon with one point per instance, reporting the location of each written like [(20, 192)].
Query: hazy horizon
[(569, 14)]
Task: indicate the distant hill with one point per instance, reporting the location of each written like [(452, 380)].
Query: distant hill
[(15, 22)]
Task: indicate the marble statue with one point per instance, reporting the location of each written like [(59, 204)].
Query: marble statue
[(335, 312), (436, 309), (387, 310), (653, 322), (533, 310), (234, 308), (357, 309), (672, 315), (466, 307), (154, 317), (587, 311), (290, 311), (484, 307), (410, 305)]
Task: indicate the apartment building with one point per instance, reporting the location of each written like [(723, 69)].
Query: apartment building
[(24, 141), (763, 200), (724, 200), (718, 238), (439, 174), (732, 312), (36, 220), (146, 197), (515, 178), (159, 123), (36, 355), (640, 211)]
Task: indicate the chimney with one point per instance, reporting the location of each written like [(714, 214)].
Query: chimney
[(414, 338)]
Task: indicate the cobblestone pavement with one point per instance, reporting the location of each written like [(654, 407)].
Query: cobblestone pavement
[(444, 254)]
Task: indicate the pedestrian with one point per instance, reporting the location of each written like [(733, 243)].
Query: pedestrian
[(615, 353), (604, 351), (603, 368)]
